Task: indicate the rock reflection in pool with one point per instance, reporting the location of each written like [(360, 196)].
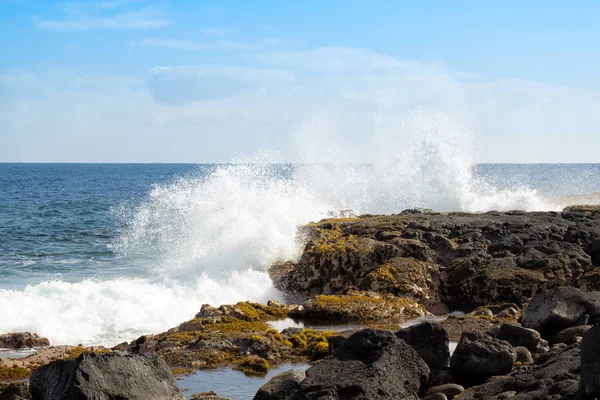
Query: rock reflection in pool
[(229, 383)]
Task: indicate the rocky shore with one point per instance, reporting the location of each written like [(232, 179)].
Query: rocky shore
[(519, 292)]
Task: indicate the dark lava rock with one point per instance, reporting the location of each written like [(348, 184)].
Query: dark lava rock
[(590, 362), (281, 387), (560, 308), (105, 377), (554, 376), (518, 336), (479, 356), (18, 340), (460, 260), (430, 341), (571, 335), (370, 365), (523, 355)]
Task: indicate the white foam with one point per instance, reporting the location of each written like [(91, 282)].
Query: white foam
[(109, 312)]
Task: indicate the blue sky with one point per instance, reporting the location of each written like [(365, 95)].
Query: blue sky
[(205, 81)]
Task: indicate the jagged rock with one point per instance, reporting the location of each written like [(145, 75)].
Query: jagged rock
[(281, 387), (18, 340), (560, 308), (519, 336), (430, 341), (460, 260), (105, 377), (479, 356), (208, 311), (370, 365)]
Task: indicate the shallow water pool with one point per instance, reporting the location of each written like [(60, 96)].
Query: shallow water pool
[(229, 383)]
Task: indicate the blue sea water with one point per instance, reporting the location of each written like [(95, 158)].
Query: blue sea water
[(62, 220), (119, 250)]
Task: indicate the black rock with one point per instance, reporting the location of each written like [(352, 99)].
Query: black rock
[(281, 387), (560, 308), (571, 335), (479, 356), (369, 365), (523, 355), (105, 377), (430, 341), (518, 336), (590, 362)]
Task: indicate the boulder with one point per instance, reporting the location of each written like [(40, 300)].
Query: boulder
[(560, 308), (18, 340), (571, 335), (519, 336), (430, 341), (479, 356), (554, 376), (450, 390), (281, 387), (369, 365), (590, 362), (105, 377), (523, 355)]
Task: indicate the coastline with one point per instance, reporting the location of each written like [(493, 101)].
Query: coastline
[(368, 270)]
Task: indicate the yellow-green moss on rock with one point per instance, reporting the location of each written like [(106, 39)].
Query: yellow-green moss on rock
[(360, 306), (254, 365), (401, 277)]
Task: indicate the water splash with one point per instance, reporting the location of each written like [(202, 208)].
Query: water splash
[(209, 237)]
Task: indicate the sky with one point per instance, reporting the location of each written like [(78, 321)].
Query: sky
[(297, 81)]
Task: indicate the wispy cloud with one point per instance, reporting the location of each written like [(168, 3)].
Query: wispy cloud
[(193, 45), (82, 17), (215, 31)]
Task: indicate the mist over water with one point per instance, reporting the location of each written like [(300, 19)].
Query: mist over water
[(209, 235)]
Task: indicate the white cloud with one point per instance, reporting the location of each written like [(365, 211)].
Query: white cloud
[(190, 83), (79, 17), (193, 45), (349, 105), (335, 59)]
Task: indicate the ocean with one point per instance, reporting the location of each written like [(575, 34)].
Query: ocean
[(103, 253)]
